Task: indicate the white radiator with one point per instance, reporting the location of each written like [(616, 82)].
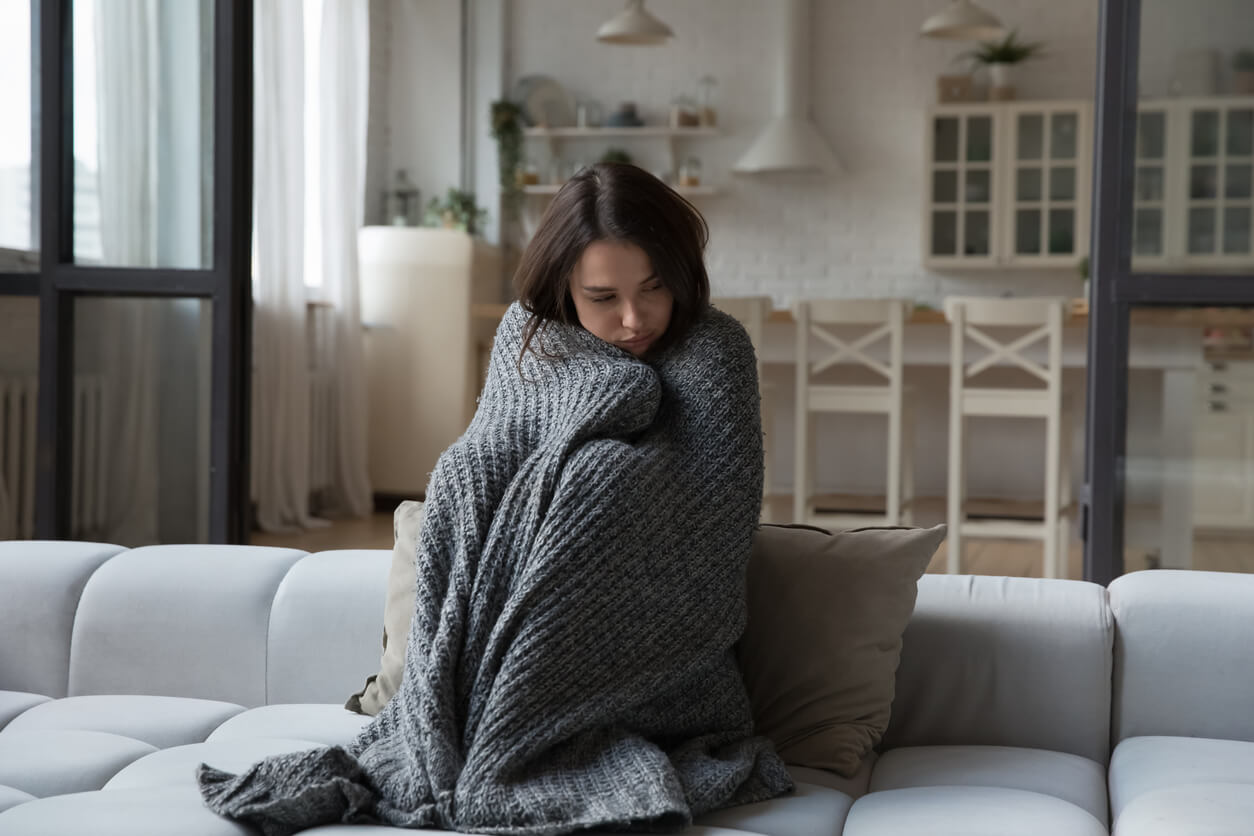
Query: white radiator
[(18, 399)]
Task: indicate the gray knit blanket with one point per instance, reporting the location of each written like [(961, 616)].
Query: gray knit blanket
[(581, 576)]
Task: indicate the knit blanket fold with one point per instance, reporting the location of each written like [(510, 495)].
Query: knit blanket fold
[(580, 586)]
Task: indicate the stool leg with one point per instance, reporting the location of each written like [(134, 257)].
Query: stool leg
[(1053, 462), (907, 464), (1064, 490), (892, 494), (954, 494)]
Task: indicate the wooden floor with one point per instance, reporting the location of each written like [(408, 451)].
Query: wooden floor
[(1231, 553)]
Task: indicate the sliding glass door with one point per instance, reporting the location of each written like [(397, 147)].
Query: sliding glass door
[(1171, 398), (144, 292)]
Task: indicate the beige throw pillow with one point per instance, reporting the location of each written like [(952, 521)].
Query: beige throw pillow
[(398, 612), (820, 651)]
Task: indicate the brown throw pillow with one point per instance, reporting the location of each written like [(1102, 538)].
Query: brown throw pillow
[(820, 651), (398, 612)]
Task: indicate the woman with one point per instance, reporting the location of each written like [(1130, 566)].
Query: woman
[(580, 570)]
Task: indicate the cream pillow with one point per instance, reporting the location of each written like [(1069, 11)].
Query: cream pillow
[(398, 612), (820, 650)]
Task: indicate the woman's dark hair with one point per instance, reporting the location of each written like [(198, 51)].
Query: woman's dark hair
[(624, 204)]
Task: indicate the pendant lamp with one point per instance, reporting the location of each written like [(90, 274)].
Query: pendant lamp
[(634, 26)]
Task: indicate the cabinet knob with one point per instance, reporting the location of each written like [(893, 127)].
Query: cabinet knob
[(1218, 406), (1218, 365), (1218, 388)]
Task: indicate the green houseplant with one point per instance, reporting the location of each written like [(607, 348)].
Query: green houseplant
[(458, 210), (1001, 56), (507, 130)]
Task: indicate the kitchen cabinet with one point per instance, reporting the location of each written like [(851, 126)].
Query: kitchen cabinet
[(1223, 445), (1007, 184)]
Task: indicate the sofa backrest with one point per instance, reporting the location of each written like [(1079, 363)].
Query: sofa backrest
[(326, 626), (1184, 657), (182, 621), (40, 586), (1006, 662)]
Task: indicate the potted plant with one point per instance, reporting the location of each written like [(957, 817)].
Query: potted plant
[(1243, 71), (507, 130), (1000, 57), (457, 210)]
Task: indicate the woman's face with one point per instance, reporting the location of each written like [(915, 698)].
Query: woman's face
[(619, 298)]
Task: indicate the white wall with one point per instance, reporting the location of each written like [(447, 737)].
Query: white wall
[(424, 93)]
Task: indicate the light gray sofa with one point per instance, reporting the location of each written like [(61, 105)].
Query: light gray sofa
[(121, 670)]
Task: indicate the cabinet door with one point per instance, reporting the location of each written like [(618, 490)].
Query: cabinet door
[(1048, 182), (959, 226), (1216, 216), (1151, 187), (1220, 485)]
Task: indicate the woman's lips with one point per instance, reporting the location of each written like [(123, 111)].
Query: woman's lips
[(638, 342)]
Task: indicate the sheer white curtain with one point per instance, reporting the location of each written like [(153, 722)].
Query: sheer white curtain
[(344, 62), (118, 338), (282, 354), (280, 438)]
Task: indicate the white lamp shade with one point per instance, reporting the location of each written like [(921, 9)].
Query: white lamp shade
[(964, 21), (635, 27)]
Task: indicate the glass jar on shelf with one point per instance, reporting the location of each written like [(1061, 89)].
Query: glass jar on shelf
[(528, 173), (707, 116), (690, 173)]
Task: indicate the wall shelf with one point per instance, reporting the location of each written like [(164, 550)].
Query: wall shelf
[(694, 191), (607, 132)]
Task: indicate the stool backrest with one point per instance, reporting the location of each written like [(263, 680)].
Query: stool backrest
[(888, 315), (752, 312), (1038, 319)]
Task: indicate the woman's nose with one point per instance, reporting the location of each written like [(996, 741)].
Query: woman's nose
[(631, 315)]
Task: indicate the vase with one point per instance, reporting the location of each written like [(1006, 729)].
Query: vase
[(1001, 81)]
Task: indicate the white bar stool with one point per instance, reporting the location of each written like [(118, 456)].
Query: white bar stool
[(752, 312), (1033, 321), (879, 320)]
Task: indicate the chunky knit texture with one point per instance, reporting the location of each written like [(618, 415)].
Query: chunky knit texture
[(580, 587)]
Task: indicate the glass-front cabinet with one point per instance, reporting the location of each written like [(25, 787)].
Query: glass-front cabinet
[(963, 184), (1008, 185), (1193, 193), (1150, 187), (1217, 219)]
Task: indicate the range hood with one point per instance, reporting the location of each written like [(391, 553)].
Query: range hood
[(790, 141)]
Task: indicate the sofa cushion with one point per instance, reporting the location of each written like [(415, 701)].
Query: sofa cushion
[(329, 725), (11, 797), (179, 621), (398, 608), (810, 810), (1067, 777), (1213, 809), (42, 583), (160, 721), (148, 811), (855, 787), (993, 661), (823, 637), (13, 703), (968, 811), (177, 765), (1184, 664), (50, 762), (1144, 764), (324, 626)]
